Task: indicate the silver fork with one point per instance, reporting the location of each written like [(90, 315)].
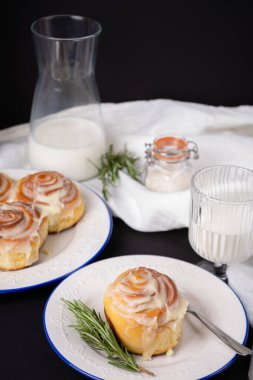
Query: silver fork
[(237, 347)]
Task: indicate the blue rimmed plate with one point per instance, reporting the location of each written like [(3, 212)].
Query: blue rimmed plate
[(67, 251), (199, 355)]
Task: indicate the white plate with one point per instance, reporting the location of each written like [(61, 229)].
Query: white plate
[(68, 250), (199, 354)]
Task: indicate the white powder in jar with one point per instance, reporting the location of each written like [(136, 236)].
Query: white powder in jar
[(168, 177)]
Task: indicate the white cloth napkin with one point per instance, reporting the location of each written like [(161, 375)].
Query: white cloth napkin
[(224, 136), (240, 277)]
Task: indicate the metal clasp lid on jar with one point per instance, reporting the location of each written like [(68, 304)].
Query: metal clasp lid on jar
[(170, 149)]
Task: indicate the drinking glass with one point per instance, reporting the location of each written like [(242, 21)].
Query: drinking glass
[(66, 130), (221, 216)]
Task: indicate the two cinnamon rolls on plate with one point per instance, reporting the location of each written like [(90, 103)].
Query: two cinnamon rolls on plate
[(30, 208)]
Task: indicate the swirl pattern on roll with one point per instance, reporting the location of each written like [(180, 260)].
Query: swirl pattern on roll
[(18, 221), (42, 185), (6, 187), (144, 294)]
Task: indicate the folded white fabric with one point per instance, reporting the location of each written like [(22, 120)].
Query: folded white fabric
[(240, 276), (224, 136)]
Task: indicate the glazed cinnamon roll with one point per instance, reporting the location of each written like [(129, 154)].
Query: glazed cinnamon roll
[(22, 231), (7, 186), (146, 311), (57, 196)]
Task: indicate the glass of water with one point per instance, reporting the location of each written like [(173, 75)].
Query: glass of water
[(221, 216)]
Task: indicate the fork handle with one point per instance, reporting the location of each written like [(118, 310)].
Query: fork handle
[(237, 347)]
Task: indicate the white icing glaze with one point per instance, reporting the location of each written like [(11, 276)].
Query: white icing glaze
[(18, 220), (147, 297), (6, 188), (51, 191)]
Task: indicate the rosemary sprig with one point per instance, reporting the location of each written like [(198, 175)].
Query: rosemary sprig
[(99, 335), (110, 165)]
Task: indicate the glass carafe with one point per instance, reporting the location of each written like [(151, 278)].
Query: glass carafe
[(66, 131)]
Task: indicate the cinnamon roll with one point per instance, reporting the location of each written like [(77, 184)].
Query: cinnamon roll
[(146, 311), (57, 196), (22, 231), (7, 186)]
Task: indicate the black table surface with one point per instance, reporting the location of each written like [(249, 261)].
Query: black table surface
[(25, 352)]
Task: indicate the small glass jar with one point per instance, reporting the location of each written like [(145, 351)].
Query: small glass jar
[(168, 167)]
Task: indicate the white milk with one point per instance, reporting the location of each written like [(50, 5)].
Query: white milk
[(67, 145), (222, 247)]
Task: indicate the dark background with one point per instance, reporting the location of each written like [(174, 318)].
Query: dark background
[(198, 51)]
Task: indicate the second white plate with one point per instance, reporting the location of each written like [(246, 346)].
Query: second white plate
[(199, 354)]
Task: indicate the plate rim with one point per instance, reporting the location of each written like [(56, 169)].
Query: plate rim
[(66, 361), (44, 283)]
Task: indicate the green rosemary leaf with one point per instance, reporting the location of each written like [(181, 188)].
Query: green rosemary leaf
[(99, 335), (111, 164)]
